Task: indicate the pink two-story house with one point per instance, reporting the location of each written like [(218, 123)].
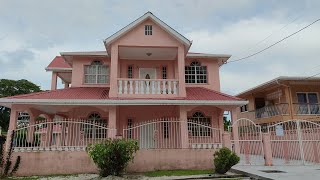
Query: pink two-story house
[(146, 85)]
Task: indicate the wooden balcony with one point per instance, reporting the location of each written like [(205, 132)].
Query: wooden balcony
[(148, 87)]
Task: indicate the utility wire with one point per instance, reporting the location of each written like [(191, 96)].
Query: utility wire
[(246, 57), (272, 33)]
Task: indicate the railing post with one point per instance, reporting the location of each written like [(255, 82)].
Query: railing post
[(174, 87), (125, 89), (136, 91), (158, 87), (141, 87), (130, 87), (169, 87), (267, 149), (226, 140), (120, 86)]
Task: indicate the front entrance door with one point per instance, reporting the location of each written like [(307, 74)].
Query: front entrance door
[(147, 73)]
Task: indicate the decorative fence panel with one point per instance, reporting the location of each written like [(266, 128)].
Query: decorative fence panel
[(167, 133), (246, 139), (295, 142), (69, 134)]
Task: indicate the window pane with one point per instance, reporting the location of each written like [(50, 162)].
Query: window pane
[(313, 98), (102, 69), (102, 79), (302, 97), (91, 79)]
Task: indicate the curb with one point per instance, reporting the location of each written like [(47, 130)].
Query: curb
[(249, 174)]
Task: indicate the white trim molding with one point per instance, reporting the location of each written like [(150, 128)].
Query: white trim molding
[(5, 101)]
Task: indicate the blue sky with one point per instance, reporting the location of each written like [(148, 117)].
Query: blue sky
[(33, 32)]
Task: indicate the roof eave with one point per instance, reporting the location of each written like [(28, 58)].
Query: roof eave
[(7, 102)]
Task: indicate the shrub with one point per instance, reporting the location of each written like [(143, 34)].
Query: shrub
[(224, 159), (113, 156)]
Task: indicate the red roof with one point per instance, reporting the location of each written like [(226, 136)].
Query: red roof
[(193, 93), (58, 62)]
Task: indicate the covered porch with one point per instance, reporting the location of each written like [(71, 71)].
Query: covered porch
[(72, 128)]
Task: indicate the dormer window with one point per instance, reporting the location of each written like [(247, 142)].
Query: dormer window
[(148, 30), (96, 73), (195, 73)]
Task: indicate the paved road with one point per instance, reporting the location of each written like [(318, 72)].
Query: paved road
[(288, 172)]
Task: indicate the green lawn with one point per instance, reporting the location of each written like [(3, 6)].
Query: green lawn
[(177, 172)]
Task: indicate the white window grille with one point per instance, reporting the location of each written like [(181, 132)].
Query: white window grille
[(164, 72), (199, 125), (96, 73), (92, 131), (130, 71), (195, 73), (148, 30)]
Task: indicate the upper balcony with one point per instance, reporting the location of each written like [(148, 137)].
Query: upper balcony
[(283, 109), (157, 87)]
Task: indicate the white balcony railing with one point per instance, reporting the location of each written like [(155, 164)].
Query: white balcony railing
[(148, 86)]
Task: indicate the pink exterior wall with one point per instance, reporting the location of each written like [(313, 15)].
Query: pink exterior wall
[(76, 162), (78, 71), (136, 37), (158, 64)]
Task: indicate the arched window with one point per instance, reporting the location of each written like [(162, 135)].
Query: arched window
[(199, 124), (195, 73), (96, 73), (94, 128)]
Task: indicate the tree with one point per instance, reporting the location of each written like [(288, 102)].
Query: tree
[(11, 88)]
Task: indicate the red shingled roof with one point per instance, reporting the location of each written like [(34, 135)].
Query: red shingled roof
[(193, 93), (58, 62)]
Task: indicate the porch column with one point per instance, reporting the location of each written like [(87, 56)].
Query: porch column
[(112, 122), (184, 127), (31, 128), (235, 132), (287, 92), (114, 72), (226, 140), (181, 69), (54, 81), (221, 124), (12, 126)]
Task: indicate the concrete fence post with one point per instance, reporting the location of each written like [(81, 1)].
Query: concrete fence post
[(226, 140), (267, 149)]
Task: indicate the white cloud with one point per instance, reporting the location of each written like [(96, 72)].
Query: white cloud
[(292, 57)]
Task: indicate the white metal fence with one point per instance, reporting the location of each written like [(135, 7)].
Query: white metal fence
[(167, 133), (295, 142), (246, 139), (60, 134)]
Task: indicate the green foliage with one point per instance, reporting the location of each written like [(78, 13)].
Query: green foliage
[(113, 156), (6, 162), (12, 88), (224, 159)]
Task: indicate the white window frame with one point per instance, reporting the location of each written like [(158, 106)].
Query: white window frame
[(201, 129), (148, 30), (195, 75), (96, 74)]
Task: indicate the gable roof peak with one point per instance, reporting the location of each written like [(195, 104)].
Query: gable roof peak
[(135, 23)]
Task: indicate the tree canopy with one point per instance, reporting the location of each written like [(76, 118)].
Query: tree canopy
[(11, 88)]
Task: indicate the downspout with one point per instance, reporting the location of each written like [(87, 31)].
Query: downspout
[(290, 103)]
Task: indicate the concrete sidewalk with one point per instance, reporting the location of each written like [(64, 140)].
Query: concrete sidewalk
[(287, 172)]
